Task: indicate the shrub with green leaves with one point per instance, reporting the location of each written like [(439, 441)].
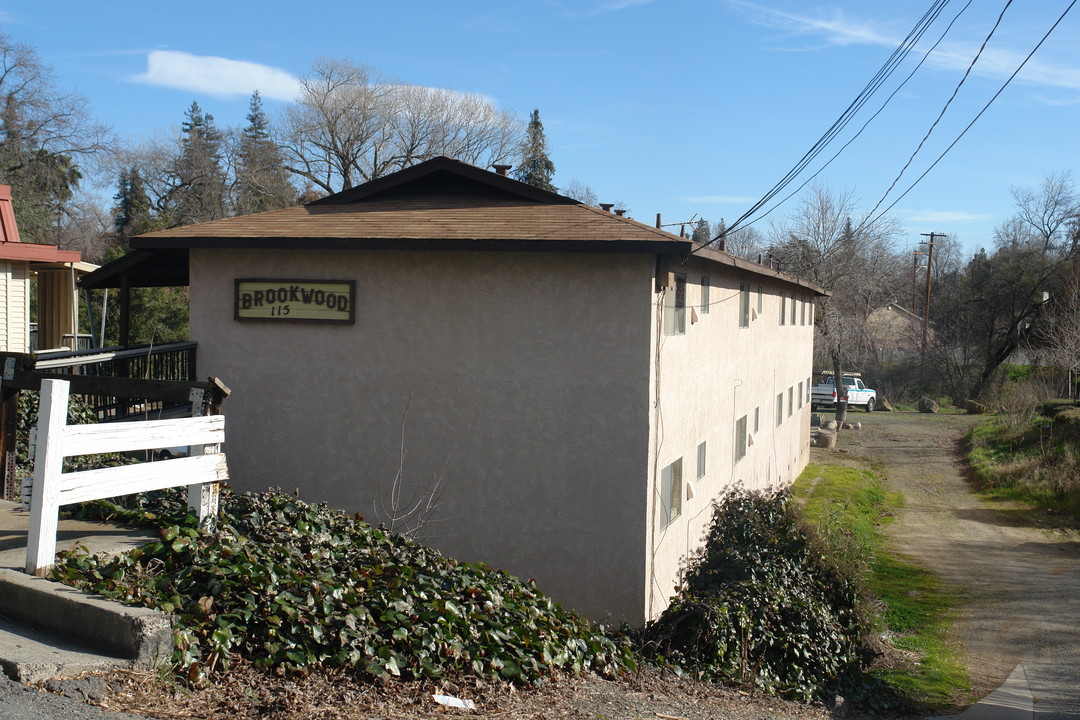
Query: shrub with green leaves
[(765, 605), (292, 586)]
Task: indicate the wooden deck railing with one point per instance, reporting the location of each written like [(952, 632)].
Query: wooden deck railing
[(171, 361)]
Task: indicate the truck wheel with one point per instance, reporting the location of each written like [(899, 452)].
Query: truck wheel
[(870, 405)]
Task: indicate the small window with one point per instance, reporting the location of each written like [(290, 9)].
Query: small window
[(675, 307), (704, 295), (812, 306), (800, 394), (671, 491), (790, 400), (701, 460), (740, 438), (744, 305), (760, 299), (783, 308), (779, 409), (802, 311), (757, 420), (794, 302), (808, 390)]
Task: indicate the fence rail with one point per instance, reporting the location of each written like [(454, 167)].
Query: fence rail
[(52, 488)]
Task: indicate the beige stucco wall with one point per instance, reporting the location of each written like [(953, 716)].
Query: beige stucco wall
[(708, 378), (526, 379)]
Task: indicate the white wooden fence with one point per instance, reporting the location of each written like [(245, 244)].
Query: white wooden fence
[(52, 487)]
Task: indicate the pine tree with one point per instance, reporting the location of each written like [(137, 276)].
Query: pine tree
[(262, 180), (535, 167), (701, 232), (133, 216), (201, 190)]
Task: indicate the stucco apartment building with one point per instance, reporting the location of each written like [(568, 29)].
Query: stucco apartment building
[(584, 385)]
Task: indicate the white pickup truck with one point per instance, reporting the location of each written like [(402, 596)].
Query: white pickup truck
[(824, 394)]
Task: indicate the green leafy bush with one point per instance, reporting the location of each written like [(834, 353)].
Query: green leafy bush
[(293, 586), (765, 605)]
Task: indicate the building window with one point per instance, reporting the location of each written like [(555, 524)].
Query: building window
[(704, 295), (744, 305), (701, 460), (779, 409), (812, 306), (671, 491), (675, 307), (800, 394), (794, 302), (783, 308), (808, 390), (757, 420), (760, 299), (790, 400), (802, 311), (740, 438)]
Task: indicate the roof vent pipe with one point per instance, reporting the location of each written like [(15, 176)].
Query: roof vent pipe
[(620, 213), (501, 169), (606, 207)]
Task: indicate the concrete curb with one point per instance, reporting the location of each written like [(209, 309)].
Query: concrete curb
[(142, 635), (1011, 701)]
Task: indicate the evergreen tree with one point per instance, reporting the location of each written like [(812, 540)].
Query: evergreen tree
[(201, 189), (262, 180), (535, 167), (701, 232), (133, 216)]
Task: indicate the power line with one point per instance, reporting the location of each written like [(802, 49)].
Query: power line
[(944, 109), (855, 137), (883, 73), (973, 120)]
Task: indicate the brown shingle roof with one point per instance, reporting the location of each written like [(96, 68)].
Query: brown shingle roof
[(441, 204)]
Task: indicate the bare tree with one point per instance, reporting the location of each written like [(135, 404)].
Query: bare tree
[(1055, 338), (47, 141), (349, 126), (1047, 210), (581, 192), (820, 242)]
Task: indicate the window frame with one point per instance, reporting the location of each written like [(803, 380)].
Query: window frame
[(705, 292), (744, 305), (671, 491), (740, 439)]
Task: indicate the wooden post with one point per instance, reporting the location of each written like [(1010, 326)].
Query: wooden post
[(49, 463), (203, 499)]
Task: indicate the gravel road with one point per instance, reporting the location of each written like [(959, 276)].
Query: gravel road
[(1021, 569)]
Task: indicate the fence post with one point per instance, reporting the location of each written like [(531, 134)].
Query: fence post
[(203, 499), (48, 465)]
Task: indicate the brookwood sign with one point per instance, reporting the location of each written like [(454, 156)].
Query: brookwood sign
[(296, 300)]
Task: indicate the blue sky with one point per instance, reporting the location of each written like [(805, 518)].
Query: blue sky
[(671, 106)]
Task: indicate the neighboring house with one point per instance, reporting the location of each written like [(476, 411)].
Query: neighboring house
[(57, 273), (583, 385), (895, 334)]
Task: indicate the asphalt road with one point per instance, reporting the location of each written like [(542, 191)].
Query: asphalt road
[(19, 702)]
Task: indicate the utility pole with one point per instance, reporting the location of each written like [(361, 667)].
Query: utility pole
[(914, 275), (926, 310)]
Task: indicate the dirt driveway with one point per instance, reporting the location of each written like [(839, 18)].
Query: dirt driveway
[(1020, 569)]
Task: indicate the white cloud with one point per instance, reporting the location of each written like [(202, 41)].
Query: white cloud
[(216, 75), (945, 216), (720, 199)]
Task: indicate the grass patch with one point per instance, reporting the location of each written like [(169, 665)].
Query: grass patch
[(916, 609), (1030, 457)]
